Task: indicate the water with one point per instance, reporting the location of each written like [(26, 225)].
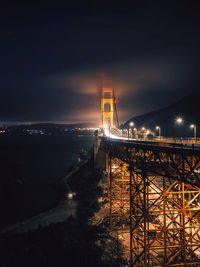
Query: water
[(40, 159), (31, 166)]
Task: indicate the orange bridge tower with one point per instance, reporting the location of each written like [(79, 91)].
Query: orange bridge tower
[(107, 104)]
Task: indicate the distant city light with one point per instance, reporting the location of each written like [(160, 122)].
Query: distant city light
[(131, 123), (157, 127), (192, 126)]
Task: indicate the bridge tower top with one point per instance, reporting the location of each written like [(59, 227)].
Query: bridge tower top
[(107, 104)]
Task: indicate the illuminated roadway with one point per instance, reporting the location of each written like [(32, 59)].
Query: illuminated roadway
[(167, 142)]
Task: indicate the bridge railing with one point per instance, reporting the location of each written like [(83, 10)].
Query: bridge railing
[(185, 140)]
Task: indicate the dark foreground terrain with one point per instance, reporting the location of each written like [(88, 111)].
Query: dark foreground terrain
[(31, 168), (71, 243)]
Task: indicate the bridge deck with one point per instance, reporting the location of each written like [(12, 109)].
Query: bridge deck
[(175, 147)]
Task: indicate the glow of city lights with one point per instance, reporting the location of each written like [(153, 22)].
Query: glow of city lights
[(192, 126), (131, 123), (157, 127), (143, 128)]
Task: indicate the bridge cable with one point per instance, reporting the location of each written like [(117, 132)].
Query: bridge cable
[(115, 107)]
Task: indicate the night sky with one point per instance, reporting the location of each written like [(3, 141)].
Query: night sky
[(52, 57)]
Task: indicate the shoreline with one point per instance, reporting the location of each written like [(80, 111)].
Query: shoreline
[(32, 170), (73, 241), (46, 217)]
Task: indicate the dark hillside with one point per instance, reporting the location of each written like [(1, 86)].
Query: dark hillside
[(188, 108)]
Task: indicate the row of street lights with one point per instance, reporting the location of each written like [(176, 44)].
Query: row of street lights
[(177, 121), (192, 126)]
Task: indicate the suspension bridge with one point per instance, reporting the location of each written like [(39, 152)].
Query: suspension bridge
[(153, 192)]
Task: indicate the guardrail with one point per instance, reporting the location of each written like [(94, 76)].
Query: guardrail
[(182, 140)]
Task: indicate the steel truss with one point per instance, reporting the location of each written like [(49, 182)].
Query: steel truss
[(162, 213), (119, 192), (178, 163), (164, 222)]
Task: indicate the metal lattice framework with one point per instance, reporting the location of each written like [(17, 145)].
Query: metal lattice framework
[(119, 192), (165, 227), (155, 191)]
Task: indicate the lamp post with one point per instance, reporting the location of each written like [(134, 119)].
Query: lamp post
[(159, 131), (147, 132), (143, 129), (130, 125), (135, 132), (195, 132), (178, 121)]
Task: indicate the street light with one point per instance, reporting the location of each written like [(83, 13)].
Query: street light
[(195, 131), (159, 131), (131, 124), (178, 121), (135, 132), (143, 129)]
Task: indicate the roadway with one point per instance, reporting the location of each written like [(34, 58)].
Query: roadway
[(183, 143)]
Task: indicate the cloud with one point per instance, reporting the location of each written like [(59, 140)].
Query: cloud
[(52, 72)]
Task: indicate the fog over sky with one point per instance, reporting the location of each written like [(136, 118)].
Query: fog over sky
[(52, 57)]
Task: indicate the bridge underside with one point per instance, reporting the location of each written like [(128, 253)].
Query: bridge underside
[(159, 207)]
